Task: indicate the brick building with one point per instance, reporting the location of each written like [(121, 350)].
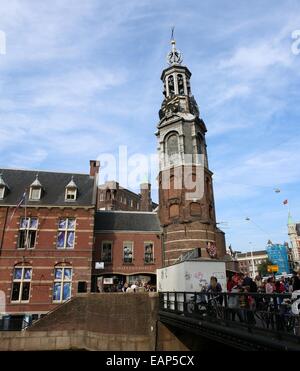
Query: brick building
[(45, 244), (111, 196), (294, 234), (250, 261), (127, 247)]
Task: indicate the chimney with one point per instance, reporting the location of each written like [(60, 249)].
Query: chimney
[(146, 202), (94, 167)]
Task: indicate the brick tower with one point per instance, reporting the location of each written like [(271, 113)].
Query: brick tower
[(186, 198)]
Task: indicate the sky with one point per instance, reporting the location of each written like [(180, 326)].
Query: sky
[(79, 79)]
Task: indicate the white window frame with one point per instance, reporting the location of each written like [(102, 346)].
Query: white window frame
[(28, 229), (62, 281), (66, 230), (132, 251), (39, 194), (2, 192), (22, 280), (153, 249), (111, 254), (73, 192)]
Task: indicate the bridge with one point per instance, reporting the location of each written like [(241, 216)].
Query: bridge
[(242, 321), (168, 321)]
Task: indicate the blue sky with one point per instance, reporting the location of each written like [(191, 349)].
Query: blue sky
[(81, 78)]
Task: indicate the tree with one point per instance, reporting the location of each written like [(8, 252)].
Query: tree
[(263, 267)]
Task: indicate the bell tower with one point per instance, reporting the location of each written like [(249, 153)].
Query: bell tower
[(186, 199)]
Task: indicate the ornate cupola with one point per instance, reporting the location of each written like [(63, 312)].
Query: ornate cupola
[(177, 88), (186, 198), (36, 188), (3, 187), (71, 191)]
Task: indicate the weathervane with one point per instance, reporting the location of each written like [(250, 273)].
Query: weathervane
[(174, 56)]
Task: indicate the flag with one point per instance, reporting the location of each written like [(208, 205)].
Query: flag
[(19, 204), (285, 202)]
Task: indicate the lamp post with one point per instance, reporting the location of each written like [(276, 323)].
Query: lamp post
[(252, 259)]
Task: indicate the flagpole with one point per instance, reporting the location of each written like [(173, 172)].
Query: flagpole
[(27, 225)]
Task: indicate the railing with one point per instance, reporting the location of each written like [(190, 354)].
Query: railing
[(253, 312), (14, 324)]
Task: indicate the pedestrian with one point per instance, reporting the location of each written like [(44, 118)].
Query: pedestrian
[(230, 283), (215, 288), (296, 280), (247, 280), (234, 300), (258, 281), (269, 286)]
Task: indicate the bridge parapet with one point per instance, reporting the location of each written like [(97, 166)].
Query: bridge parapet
[(244, 320)]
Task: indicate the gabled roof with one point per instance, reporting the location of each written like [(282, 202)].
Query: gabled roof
[(127, 221), (2, 182), (54, 186), (71, 183), (36, 182)]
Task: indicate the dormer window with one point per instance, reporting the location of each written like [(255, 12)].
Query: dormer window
[(35, 192), (3, 188), (71, 191)]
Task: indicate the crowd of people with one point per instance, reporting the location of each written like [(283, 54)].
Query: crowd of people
[(270, 285), (137, 286)]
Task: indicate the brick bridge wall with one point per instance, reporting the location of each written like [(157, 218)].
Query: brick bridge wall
[(92, 321), (104, 322)]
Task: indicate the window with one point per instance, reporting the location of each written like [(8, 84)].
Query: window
[(171, 85), (2, 192), (27, 233), (62, 284), (174, 211), (35, 194), (21, 284), (180, 84), (101, 196), (128, 252), (71, 191), (149, 252), (106, 253), (66, 233), (172, 145), (131, 203), (82, 287), (71, 194)]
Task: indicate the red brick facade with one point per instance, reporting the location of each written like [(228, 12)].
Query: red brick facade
[(111, 196), (45, 256), (117, 266)]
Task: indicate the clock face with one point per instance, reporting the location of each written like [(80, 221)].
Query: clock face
[(170, 104)]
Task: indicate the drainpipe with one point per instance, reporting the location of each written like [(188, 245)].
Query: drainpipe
[(3, 231)]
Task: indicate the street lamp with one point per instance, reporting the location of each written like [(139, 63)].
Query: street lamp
[(253, 265)]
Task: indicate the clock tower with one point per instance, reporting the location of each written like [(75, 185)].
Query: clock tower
[(186, 199)]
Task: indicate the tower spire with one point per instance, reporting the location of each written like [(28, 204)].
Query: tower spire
[(174, 56), (290, 219)]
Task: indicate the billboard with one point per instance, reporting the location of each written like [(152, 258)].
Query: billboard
[(273, 268)]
